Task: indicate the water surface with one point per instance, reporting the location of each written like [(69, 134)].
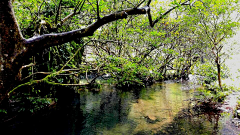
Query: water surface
[(151, 110), (163, 108)]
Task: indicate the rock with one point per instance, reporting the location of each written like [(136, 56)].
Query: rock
[(151, 119), (236, 122)]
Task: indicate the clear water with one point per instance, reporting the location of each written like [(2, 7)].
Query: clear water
[(163, 108)]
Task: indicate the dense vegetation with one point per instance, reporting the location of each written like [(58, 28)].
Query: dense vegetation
[(123, 42)]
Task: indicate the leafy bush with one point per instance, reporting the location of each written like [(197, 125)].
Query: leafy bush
[(209, 72), (213, 93), (24, 102), (127, 73)]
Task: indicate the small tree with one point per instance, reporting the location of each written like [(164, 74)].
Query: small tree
[(216, 24)]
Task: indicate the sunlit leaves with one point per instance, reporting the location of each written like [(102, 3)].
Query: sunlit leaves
[(127, 45)]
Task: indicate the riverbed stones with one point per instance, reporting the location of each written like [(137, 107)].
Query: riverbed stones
[(236, 122)]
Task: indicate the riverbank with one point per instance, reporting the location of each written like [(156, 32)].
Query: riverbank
[(230, 126), (230, 123)]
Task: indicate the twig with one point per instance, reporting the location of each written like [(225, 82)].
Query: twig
[(51, 75), (59, 6), (140, 4), (73, 13), (98, 12)]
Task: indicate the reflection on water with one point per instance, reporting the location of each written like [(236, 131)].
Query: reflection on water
[(157, 106), (160, 109)]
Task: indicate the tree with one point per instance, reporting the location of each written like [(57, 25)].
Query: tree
[(15, 49), (216, 24)]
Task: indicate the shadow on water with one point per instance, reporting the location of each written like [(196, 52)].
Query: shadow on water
[(48, 121), (162, 108), (188, 122)]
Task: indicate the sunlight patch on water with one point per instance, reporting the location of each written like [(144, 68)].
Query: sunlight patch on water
[(154, 110)]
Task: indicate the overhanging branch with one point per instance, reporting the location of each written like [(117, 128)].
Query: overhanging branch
[(152, 23), (48, 40)]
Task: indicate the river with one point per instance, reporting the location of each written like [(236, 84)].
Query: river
[(163, 108)]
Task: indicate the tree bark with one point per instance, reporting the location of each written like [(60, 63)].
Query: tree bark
[(11, 45), (217, 61), (219, 76)]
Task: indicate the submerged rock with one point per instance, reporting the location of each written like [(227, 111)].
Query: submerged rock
[(151, 119)]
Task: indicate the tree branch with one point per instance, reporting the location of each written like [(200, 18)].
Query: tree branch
[(149, 2), (72, 14), (152, 23), (98, 12), (140, 3), (58, 10), (48, 40)]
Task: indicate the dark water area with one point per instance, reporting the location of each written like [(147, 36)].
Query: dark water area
[(163, 108)]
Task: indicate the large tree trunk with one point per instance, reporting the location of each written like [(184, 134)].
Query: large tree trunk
[(11, 45)]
